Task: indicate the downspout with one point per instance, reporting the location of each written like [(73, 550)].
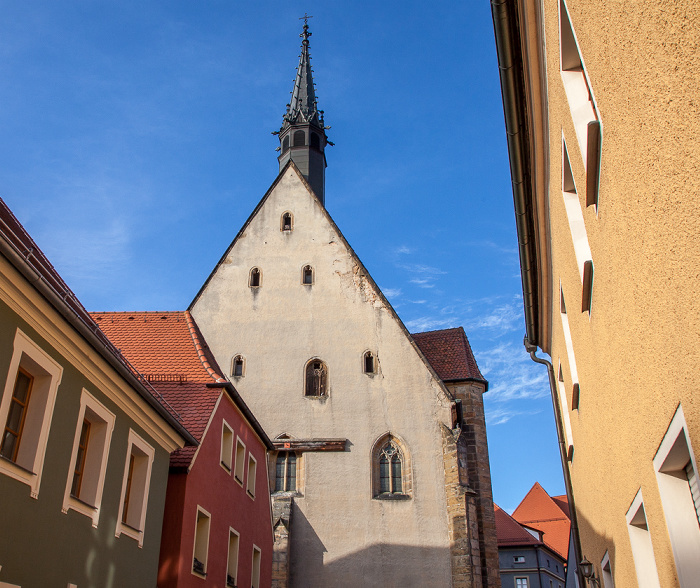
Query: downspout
[(532, 349)]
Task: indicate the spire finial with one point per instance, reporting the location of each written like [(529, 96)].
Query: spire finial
[(305, 34)]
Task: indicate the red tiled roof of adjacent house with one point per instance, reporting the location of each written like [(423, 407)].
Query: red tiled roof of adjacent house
[(540, 511), (563, 503), (511, 533), (170, 353), (23, 252), (449, 353)]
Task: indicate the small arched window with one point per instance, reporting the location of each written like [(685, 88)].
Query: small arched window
[(369, 363), (238, 366), (316, 378), (285, 144), (307, 275), (391, 477), (286, 472), (255, 280), (299, 138), (286, 223), (315, 141)]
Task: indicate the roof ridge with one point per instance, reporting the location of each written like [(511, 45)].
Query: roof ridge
[(200, 349)]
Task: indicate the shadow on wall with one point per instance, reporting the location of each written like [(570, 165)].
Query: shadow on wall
[(589, 539)]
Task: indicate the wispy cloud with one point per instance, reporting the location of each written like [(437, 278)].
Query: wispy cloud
[(428, 324), (392, 293), (423, 282), (403, 250)]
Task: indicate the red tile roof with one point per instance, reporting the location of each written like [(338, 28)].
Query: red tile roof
[(22, 251), (511, 533), (450, 354), (540, 511), (170, 353)]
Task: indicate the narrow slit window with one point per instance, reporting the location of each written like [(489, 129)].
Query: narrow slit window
[(316, 378), (240, 461), (257, 556), (286, 472), (226, 446), (252, 472), (201, 542), (369, 364), (285, 144), (255, 278), (232, 566), (307, 277), (287, 221), (238, 364)]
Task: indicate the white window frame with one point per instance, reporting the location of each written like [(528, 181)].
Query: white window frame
[(32, 358), (226, 461), (564, 402), (677, 502), (95, 459), (255, 570), (527, 581), (239, 459), (137, 532), (250, 485), (606, 571), (640, 542), (233, 566), (205, 540)]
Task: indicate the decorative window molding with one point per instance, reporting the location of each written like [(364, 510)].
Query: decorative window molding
[(88, 464), (391, 469), (200, 549), (239, 471), (369, 363), (287, 220), (234, 540), (582, 104), (307, 275), (676, 475), (255, 277), (286, 464), (238, 366), (23, 452), (640, 541), (257, 556), (252, 475), (135, 487), (227, 437), (316, 378)]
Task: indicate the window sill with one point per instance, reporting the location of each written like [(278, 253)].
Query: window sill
[(249, 493), (240, 482), (129, 531), (225, 467), (388, 496), (20, 473), (82, 507)]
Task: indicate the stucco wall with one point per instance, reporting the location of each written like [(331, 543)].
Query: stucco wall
[(341, 535), (637, 352)]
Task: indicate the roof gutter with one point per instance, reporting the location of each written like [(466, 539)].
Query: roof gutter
[(34, 278), (247, 413), (510, 66)]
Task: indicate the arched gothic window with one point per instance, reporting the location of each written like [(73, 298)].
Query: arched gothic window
[(307, 275), (369, 363), (391, 472), (316, 378), (285, 144), (286, 472), (255, 279), (237, 366), (286, 224), (299, 138), (315, 141)]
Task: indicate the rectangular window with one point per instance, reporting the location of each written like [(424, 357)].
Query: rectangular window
[(252, 469), (581, 103), (607, 571), (575, 390), (240, 461), (201, 542), (255, 580), (640, 541), (226, 446), (88, 463), (26, 411), (135, 487), (521, 583), (564, 403), (232, 564), (519, 559), (676, 476)]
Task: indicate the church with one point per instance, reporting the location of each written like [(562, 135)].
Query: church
[(380, 475)]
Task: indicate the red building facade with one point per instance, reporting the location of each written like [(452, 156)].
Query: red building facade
[(217, 528)]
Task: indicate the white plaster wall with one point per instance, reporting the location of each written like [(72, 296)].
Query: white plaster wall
[(350, 538)]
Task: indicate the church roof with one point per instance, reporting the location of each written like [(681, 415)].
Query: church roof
[(303, 107), (544, 513), (450, 354), (171, 354), (509, 532), (25, 255)]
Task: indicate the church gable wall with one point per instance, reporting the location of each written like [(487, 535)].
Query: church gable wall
[(282, 324)]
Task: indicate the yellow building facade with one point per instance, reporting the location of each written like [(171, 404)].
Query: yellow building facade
[(601, 102)]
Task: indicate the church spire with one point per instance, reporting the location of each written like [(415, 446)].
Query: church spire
[(303, 134)]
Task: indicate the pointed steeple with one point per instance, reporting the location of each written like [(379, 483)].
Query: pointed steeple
[(303, 134)]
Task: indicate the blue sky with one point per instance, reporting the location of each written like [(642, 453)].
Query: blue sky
[(135, 141)]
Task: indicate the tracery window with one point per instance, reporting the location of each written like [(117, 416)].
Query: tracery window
[(391, 470), (316, 378), (390, 481), (286, 472)]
